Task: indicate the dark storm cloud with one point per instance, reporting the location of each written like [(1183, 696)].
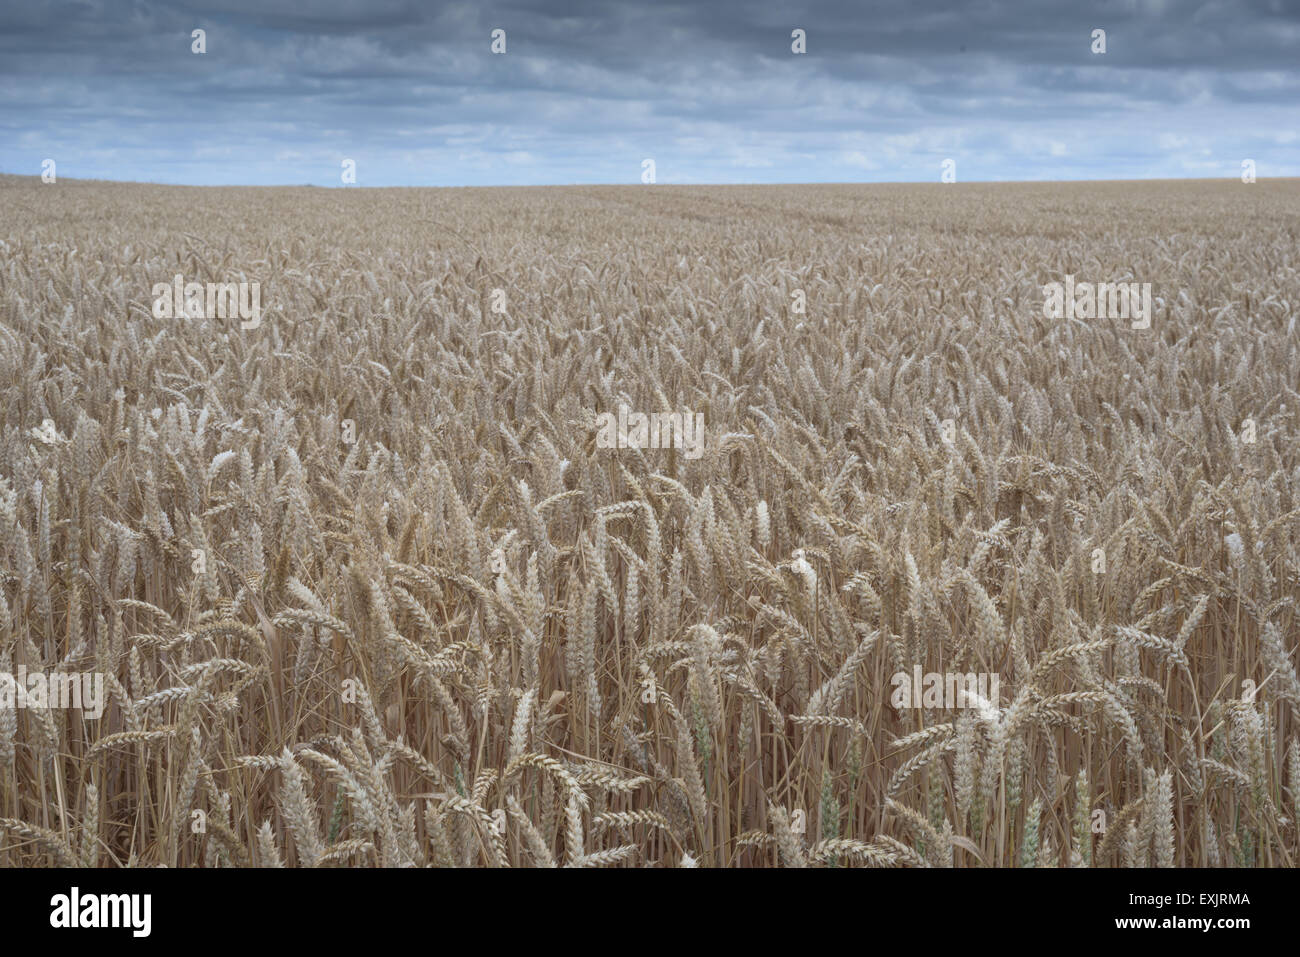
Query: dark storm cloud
[(711, 91)]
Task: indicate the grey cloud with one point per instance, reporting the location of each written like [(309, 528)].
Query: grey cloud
[(710, 90)]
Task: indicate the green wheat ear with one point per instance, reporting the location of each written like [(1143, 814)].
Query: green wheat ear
[(937, 795), (830, 813), (1029, 850), (1082, 819), (336, 816)]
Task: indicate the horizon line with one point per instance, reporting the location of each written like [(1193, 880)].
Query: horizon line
[(351, 187)]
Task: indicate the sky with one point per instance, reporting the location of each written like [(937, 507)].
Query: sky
[(412, 93)]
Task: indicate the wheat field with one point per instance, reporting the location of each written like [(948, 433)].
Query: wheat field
[(365, 589)]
